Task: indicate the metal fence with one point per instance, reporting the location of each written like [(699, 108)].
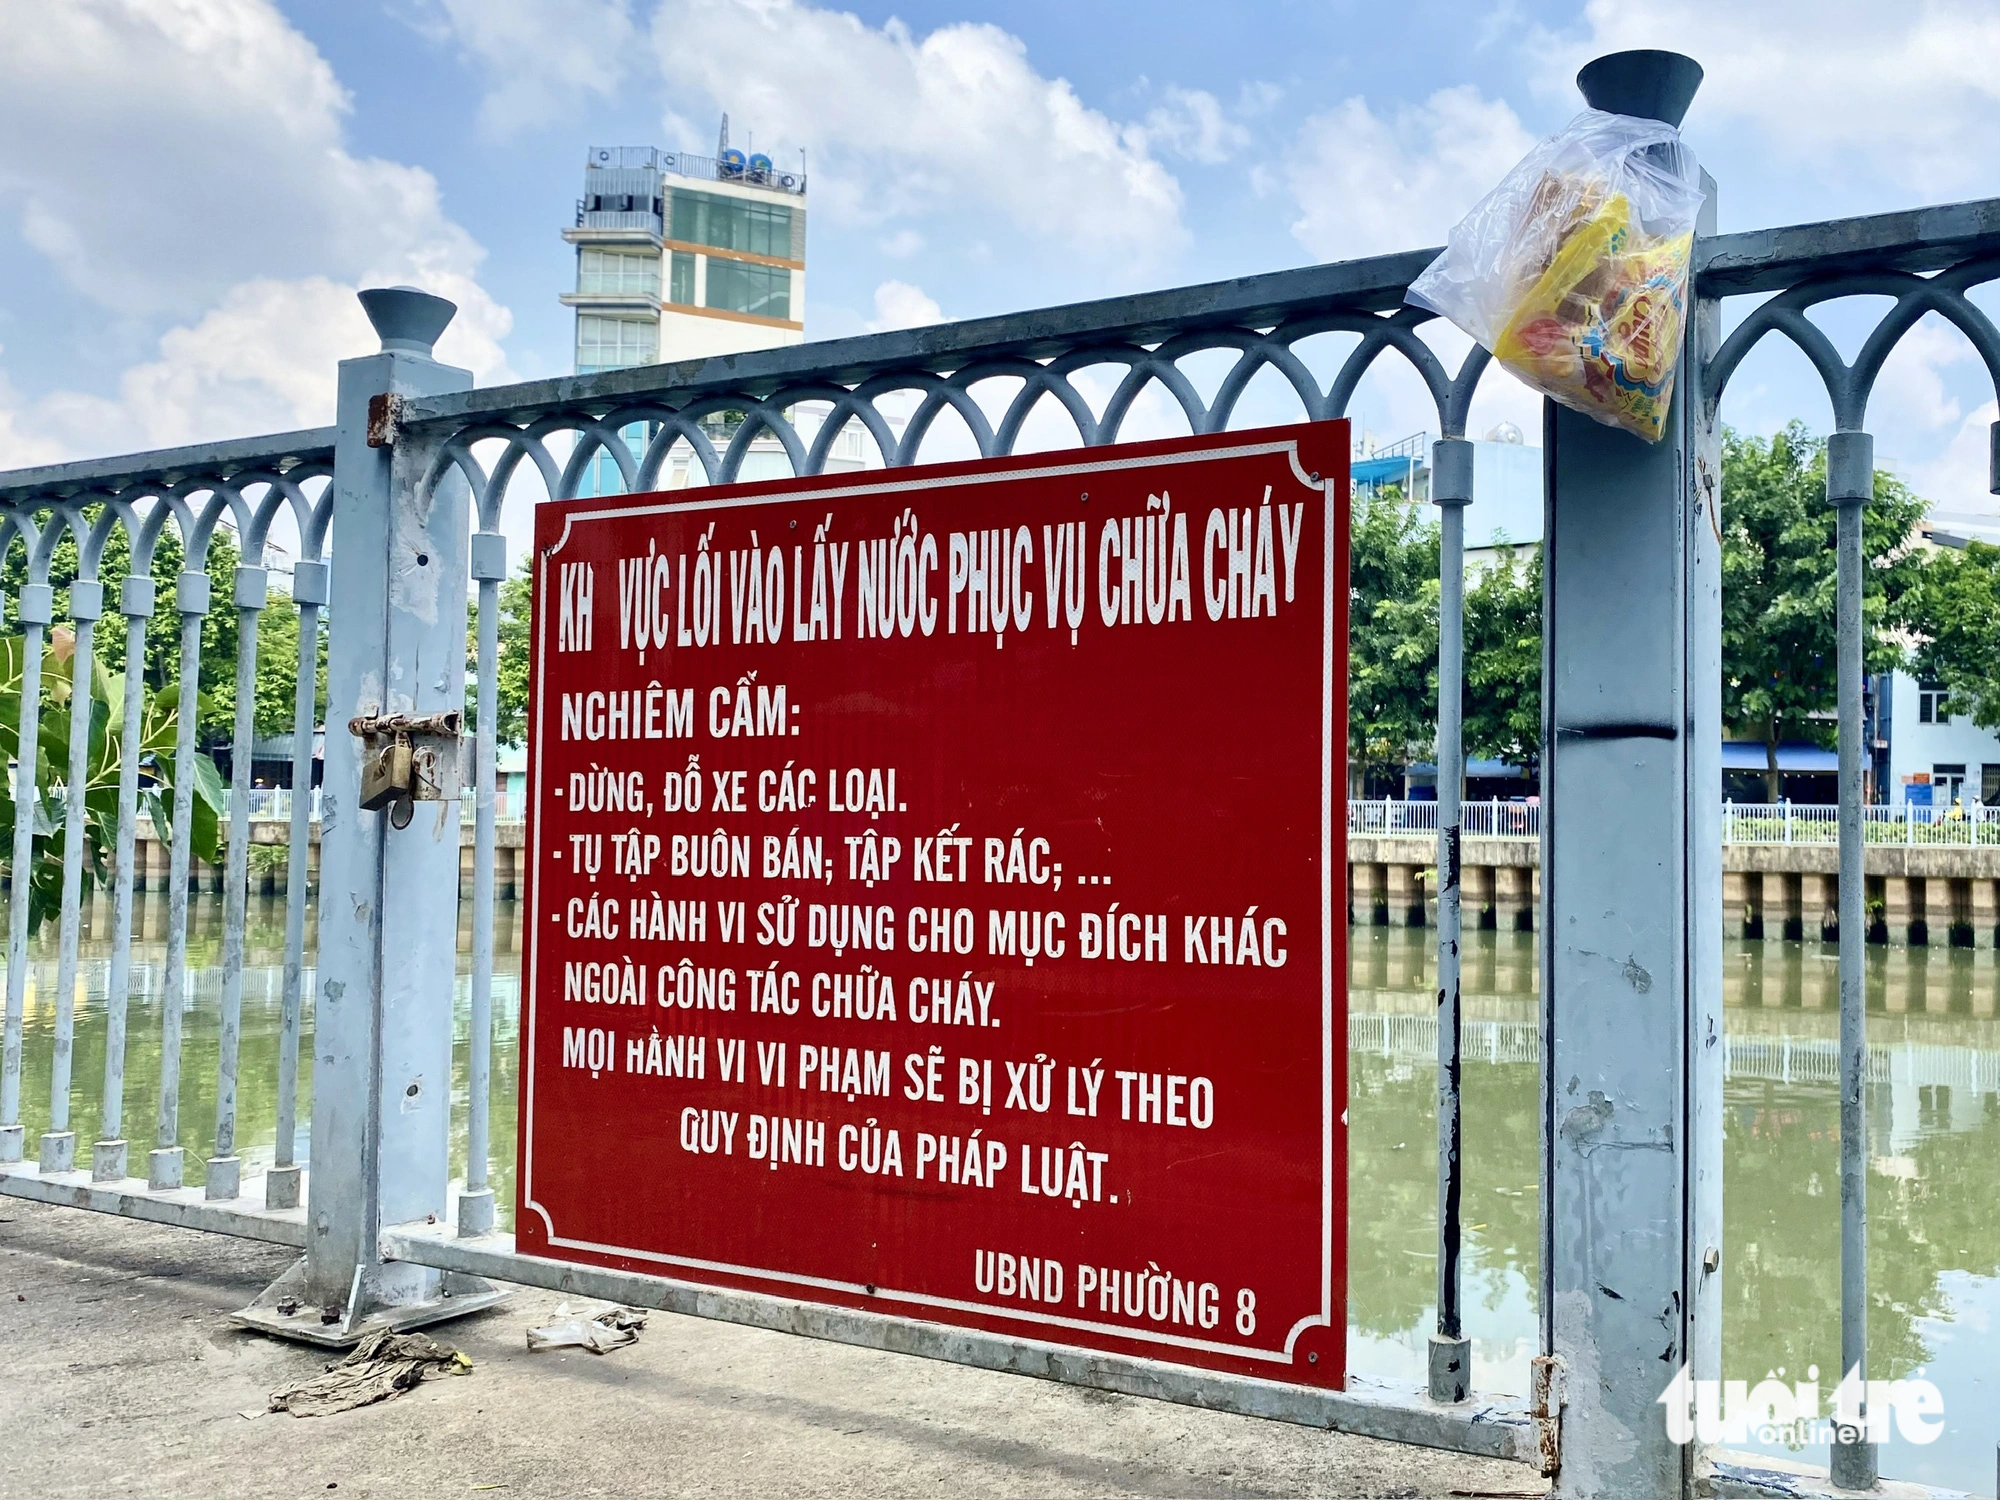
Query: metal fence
[(404, 499), (1492, 819), (1742, 822)]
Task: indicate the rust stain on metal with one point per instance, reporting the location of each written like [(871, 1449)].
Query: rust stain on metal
[(385, 412), (1545, 1383)]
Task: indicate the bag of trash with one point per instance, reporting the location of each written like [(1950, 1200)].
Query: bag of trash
[(1574, 270), (382, 1365), (611, 1329)]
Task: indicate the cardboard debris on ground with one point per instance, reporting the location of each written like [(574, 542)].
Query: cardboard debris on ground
[(382, 1365), (611, 1329)]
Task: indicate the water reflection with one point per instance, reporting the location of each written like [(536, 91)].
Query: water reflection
[(263, 1000), (1933, 1102)]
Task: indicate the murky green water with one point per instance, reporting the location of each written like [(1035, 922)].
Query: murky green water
[(1934, 1112), (1933, 1187)]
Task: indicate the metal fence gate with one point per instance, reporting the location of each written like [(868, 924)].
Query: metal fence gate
[(398, 508)]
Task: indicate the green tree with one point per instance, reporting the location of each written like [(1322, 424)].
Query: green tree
[(104, 752), (1955, 613), (1503, 660), (517, 604), (1392, 634), (278, 666), (1779, 650), (217, 685)]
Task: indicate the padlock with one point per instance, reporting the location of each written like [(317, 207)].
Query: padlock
[(386, 770)]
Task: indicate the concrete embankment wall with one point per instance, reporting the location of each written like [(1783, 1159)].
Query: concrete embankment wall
[(1924, 893), (269, 870)]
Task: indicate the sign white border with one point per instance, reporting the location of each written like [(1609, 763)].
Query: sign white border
[(903, 482)]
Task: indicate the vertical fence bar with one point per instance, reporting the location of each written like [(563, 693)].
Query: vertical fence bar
[(1451, 488), (34, 612), (191, 600), (475, 1204), (108, 1157), (86, 603), (1850, 484), (281, 1184), (225, 1168)]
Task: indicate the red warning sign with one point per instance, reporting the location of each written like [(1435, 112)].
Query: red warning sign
[(936, 897)]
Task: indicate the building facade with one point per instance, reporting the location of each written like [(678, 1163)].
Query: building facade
[(1935, 757), (681, 257)]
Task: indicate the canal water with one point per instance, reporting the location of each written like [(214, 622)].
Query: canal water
[(1933, 1103)]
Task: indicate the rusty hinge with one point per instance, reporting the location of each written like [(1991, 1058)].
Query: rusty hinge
[(385, 412), (1546, 1386)]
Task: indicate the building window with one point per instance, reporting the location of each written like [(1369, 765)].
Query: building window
[(1933, 705), (614, 343), (732, 223), (680, 278), (746, 287), (1989, 785), (634, 272)]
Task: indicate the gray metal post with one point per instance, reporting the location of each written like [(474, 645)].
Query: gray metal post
[(1850, 485), (191, 591), (281, 1183), (59, 1144), (108, 1156), (1631, 936), (388, 904), (34, 610), (1451, 489), (475, 1204), (225, 1168)]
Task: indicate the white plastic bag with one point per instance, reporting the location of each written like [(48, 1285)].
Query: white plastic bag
[(1573, 271)]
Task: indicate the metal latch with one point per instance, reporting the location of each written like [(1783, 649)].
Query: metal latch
[(407, 759)]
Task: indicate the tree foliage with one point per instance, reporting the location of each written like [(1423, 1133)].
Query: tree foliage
[(1392, 608), (159, 727), (1779, 568), (1393, 643), (1503, 660), (1954, 612), (517, 604)]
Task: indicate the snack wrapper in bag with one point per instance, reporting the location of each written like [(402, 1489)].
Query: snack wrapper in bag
[(1574, 270)]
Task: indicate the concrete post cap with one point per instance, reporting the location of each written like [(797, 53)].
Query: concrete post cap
[(408, 321), (1648, 84)]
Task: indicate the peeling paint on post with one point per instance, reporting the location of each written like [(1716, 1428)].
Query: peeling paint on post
[(1631, 940), (388, 900)]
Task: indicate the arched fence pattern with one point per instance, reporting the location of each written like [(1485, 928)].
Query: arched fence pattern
[(896, 386), (253, 486)]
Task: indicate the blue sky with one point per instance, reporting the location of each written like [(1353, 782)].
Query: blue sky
[(190, 189)]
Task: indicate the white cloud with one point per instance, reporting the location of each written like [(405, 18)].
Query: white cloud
[(1366, 185), (901, 245), (1192, 124), (540, 54), (897, 124), (1909, 93), (182, 163), (900, 305)]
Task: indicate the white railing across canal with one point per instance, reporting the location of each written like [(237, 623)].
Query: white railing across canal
[(1742, 822)]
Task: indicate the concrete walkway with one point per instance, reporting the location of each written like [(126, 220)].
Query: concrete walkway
[(121, 1375)]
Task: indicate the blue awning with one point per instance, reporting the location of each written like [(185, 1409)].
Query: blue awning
[(1385, 470), (1745, 755)]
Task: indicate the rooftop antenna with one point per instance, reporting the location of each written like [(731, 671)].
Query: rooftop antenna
[(722, 142)]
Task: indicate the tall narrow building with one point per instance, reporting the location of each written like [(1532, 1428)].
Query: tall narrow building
[(680, 256)]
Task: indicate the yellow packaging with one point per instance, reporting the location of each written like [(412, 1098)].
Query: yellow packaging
[(1600, 328)]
